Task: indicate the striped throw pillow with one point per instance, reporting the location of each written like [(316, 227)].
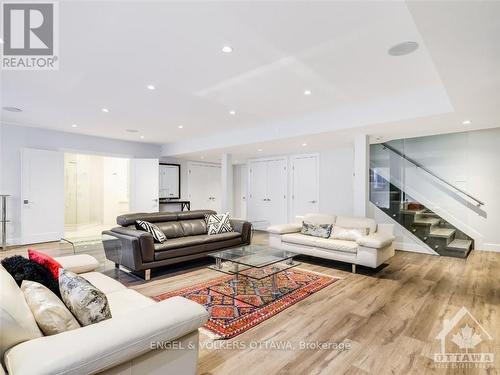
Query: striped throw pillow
[(157, 234)]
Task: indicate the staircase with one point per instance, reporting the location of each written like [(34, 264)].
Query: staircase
[(430, 228)]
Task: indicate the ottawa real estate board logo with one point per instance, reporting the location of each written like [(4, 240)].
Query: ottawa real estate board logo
[(464, 343), (30, 35)]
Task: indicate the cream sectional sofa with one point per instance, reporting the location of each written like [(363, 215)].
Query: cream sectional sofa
[(370, 250), (142, 337)]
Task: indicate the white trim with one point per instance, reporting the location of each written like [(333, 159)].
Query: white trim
[(493, 247), (412, 247)]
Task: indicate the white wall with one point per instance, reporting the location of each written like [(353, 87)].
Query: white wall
[(15, 138)]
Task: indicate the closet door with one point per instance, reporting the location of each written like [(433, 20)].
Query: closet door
[(277, 191), (204, 186), (257, 197), (305, 185)]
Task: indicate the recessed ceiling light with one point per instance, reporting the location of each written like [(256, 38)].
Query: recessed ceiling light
[(307, 92), (132, 131), (74, 125), (181, 126), (232, 112), (402, 49), (151, 87), (227, 49), (467, 122), (12, 109), (105, 110), (260, 150), (142, 137), (304, 144)]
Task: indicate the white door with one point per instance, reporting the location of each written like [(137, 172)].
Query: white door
[(257, 194), (204, 186), (277, 191), (305, 185), (144, 185), (42, 196)]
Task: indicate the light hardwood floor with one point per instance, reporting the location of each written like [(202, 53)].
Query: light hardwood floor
[(389, 317)]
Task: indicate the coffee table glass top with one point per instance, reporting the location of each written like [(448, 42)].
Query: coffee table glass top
[(254, 255)]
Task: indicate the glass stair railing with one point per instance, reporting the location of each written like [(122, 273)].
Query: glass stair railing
[(386, 177)]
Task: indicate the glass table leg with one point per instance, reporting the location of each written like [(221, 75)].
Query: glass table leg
[(274, 285)]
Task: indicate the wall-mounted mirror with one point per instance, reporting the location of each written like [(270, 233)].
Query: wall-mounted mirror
[(170, 181)]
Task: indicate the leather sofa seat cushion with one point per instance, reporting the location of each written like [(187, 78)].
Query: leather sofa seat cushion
[(194, 227), (176, 243), (126, 300), (337, 245), (104, 283), (299, 239), (356, 222), (172, 229)]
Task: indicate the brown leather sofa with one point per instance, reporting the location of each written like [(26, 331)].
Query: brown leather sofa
[(187, 239)]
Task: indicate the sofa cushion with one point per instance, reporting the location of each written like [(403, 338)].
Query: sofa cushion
[(218, 223), (172, 229), (102, 282), (299, 239), (45, 260), (348, 234), (151, 228), (87, 303), (123, 301), (180, 242), (16, 320), (79, 263), (319, 218), (376, 240), (337, 245), (194, 227), (356, 222), (50, 313), (316, 230)]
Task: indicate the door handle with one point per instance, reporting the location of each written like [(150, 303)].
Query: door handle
[(312, 201)]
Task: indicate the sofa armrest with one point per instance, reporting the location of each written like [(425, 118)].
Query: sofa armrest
[(377, 240), (285, 228), (386, 229), (244, 227), (106, 344), (137, 245)]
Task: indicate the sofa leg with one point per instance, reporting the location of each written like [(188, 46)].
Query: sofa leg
[(353, 268), (117, 265), (147, 275)]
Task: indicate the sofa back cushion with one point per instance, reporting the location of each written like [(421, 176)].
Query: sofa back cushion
[(172, 229), (349, 222), (194, 227), (319, 218), (16, 320)]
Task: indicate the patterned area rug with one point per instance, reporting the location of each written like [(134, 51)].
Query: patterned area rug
[(230, 317)]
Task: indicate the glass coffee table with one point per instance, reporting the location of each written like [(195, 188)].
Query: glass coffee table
[(258, 272)]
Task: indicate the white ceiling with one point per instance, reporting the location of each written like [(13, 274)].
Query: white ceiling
[(110, 51)]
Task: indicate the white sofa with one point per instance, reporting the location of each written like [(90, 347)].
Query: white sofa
[(370, 250), (124, 344)]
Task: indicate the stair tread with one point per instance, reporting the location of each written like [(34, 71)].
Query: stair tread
[(442, 232), (411, 212), (460, 244), (426, 220)]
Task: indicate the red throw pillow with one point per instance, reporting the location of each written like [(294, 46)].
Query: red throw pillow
[(46, 261)]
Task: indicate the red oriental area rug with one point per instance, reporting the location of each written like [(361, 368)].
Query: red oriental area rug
[(230, 316)]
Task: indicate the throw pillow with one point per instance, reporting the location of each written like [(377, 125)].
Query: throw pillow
[(50, 313), (17, 323), (25, 269), (46, 261), (157, 234), (87, 303), (218, 223), (316, 230), (349, 234)]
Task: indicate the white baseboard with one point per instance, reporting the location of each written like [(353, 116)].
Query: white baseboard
[(489, 247)]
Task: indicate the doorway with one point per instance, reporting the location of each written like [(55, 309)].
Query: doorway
[(96, 191)]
